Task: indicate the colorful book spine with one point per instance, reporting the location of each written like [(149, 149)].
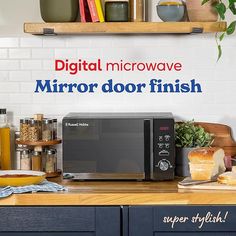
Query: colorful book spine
[(93, 10), (99, 10), (84, 11)]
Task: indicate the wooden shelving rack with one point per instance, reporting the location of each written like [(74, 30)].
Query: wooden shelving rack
[(124, 28), (38, 146)]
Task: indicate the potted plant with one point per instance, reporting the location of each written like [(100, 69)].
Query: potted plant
[(188, 136), (222, 8), (201, 13)]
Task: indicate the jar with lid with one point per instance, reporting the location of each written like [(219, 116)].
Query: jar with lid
[(39, 118), (33, 130), (51, 161), (25, 161), (36, 161), (24, 129), (54, 125), (47, 130)]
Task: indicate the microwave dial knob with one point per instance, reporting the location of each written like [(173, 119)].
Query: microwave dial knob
[(164, 165)]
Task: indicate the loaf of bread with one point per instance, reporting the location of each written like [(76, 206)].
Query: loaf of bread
[(206, 163), (228, 178)]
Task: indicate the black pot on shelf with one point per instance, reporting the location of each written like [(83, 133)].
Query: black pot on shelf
[(59, 10)]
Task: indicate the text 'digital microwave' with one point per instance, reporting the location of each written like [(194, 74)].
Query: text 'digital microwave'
[(119, 146)]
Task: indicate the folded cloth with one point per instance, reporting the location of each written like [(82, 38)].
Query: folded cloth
[(45, 186)]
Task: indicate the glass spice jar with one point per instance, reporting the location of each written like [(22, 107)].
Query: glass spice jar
[(39, 118), (24, 129), (47, 130), (36, 161), (25, 161), (33, 130), (51, 161), (54, 127)]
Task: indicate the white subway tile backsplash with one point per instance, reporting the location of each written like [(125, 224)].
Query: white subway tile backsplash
[(9, 87), (9, 65), (4, 99), (43, 98), (31, 64), (79, 42), (9, 42), (39, 53), (4, 75), (3, 53), (89, 53), (53, 42), (31, 42), (44, 75), (48, 65), (20, 98), (20, 53), (19, 76), (27, 87), (65, 53)]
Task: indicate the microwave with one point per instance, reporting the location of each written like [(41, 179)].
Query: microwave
[(119, 146)]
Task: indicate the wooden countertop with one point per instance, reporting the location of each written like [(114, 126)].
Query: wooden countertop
[(123, 193)]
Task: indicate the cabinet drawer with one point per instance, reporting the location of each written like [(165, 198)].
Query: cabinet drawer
[(105, 221), (182, 220)]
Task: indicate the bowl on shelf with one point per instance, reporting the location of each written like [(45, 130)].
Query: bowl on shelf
[(59, 10), (171, 10)]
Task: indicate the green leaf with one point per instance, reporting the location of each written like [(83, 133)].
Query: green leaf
[(205, 1), (221, 9), (231, 28), (219, 52), (232, 8), (222, 36)]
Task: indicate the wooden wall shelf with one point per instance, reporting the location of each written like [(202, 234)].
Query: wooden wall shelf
[(124, 28)]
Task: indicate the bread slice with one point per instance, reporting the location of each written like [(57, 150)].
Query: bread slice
[(206, 163), (228, 178), (201, 171)]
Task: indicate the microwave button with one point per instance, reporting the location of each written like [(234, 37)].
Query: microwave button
[(164, 165), (164, 153), (167, 145), (160, 145), (167, 138), (160, 138)]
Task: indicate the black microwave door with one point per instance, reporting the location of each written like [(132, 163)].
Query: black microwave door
[(106, 147)]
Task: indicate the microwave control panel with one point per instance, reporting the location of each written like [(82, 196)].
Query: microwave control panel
[(164, 149)]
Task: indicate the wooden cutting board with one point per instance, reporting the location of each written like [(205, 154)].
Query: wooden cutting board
[(222, 137), (208, 186)]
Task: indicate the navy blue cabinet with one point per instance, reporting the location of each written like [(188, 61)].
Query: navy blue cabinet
[(60, 221), (182, 220), (118, 221)]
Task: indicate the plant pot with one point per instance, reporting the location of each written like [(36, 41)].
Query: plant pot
[(181, 162), (201, 13), (59, 10)]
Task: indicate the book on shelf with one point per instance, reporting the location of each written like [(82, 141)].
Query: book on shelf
[(93, 11), (99, 10), (84, 11)]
